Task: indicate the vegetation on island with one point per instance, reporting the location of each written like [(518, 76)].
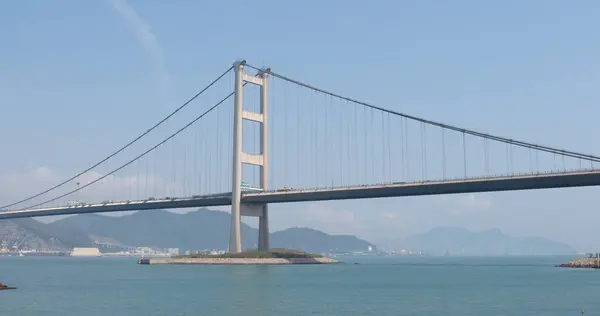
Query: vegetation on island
[(279, 253)]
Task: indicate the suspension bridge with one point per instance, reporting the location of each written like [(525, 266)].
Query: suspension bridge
[(256, 137)]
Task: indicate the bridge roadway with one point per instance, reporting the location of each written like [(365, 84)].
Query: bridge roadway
[(579, 178)]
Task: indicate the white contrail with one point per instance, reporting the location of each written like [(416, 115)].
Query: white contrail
[(143, 33)]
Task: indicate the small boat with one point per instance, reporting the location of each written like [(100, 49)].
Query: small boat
[(143, 260), (6, 287)]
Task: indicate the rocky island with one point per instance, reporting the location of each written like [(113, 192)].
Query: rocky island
[(6, 287), (589, 263), (272, 257)]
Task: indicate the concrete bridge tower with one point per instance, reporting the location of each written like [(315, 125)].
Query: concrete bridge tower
[(239, 209)]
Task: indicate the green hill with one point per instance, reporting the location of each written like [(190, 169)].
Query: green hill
[(69, 238), (28, 233), (314, 241)]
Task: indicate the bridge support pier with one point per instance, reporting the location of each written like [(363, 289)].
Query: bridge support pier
[(260, 211), (263, 230), (239, 209)]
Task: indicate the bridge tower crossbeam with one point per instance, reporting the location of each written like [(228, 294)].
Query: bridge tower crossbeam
[(239, 209)]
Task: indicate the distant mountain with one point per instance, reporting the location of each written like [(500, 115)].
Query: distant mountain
[(67, 237), (29, 233), (312, 240), (202, 229), (198, 230), (459, 241)]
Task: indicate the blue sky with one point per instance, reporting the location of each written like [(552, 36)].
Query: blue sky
[(78, 78)]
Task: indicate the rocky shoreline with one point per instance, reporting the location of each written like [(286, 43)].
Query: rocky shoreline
[(587, 263), (240, 261)]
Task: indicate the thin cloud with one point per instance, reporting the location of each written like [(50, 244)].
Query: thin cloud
[(142, 31)]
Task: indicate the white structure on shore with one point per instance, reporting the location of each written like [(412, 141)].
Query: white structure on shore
[(86, 252), (144, 252)]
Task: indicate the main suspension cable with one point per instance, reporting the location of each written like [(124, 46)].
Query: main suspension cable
[(124, 147), (442, 125), (139, 156)]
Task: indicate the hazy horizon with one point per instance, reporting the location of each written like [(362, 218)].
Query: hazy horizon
[(388, 245)]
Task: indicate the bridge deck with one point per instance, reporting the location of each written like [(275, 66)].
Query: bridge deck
[(508, 183)]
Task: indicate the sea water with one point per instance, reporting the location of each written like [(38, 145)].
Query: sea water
[(363, 286)]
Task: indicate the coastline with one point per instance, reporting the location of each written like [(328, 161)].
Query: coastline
[(239, 261)]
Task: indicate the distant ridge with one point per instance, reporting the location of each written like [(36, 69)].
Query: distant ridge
[(459, 241), (312, 240)]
